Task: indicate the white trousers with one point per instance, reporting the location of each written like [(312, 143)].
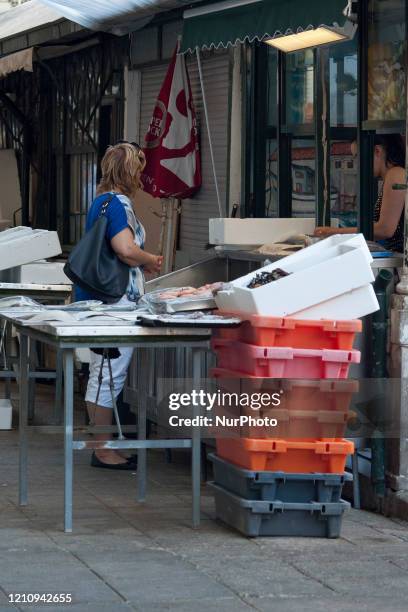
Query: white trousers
[(119, 372)]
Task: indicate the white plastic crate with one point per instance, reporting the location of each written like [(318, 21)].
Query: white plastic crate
[(6, 412), (351, 305), (246, 232), (21, 245), (39, 272), (328, 280)]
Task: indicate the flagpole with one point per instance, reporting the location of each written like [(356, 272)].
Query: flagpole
[(200, 72)]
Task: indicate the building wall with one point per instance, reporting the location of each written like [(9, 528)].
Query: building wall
[(150, 61)]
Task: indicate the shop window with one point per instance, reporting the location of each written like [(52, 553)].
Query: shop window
[(343, 179), (300, 87), (303, 178), (271, 190), (386, 60), (285, 126), (272, 97), (343, 84)]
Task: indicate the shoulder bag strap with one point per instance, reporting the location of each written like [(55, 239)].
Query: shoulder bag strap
[(106, 204)]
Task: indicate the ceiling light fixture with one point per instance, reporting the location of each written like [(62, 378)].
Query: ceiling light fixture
[(307, 39), (320, 36)]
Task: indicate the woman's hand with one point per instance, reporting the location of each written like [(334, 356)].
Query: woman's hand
[(154, 264)]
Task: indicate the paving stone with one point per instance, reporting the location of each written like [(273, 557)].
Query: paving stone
[(4, 601), (204, 605), (352, 576), (83, 607), (156, 577), (124, 555), (249, 574), (334, 603), (52, 572), (125, 540)]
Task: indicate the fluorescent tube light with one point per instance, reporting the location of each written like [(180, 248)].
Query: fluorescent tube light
[(304, 40)]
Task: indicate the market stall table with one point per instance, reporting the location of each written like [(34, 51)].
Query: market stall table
[(68, 337), (43, 293), (38, 291)]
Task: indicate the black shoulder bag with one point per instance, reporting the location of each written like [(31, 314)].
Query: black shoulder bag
[(94, 266)]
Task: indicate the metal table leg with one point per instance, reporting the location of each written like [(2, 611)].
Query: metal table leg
[(58, 412), (5, 353), (196, 441), (142, 357), (31, 384), (23, 417), (68, 360)]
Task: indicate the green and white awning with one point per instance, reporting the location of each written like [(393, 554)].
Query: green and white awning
[(256, 20)]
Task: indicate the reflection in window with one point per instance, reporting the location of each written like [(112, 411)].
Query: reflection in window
[(386, 51), (343, 177), (272, 85), (271, 189), (343, 84), (303, 178), (300, 87)]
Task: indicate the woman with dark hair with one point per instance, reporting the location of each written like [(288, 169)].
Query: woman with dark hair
[(389, 167)]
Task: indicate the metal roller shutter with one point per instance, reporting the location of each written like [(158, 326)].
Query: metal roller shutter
[(197, 211)]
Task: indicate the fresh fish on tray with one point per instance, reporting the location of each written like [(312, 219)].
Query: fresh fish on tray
[(179, 299)]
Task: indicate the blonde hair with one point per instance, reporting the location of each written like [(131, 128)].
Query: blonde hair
[(122, 167)]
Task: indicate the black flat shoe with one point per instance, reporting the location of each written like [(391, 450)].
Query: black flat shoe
[(129, 465)]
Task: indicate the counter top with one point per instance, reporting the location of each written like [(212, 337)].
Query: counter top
[(242, 255)]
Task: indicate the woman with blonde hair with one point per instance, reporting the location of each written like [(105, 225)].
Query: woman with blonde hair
[(122, 167)]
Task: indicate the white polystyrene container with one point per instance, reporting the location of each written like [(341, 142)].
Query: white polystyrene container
[(21, 245), (6, 412), (337, 266), (352, 305), (44, 272), (246, 232)]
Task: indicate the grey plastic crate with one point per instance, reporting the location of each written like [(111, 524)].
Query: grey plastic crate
[(282, 486), (276, 518)]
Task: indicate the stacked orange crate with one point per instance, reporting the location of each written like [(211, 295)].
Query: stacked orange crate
[(313, 414)]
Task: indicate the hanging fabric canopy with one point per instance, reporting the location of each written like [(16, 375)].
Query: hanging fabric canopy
[(116, 16), (256, 20)]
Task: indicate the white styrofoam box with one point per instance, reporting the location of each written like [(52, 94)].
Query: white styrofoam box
[(41, 272), (21, 245), (6, 412), (328, 269), (351, 305), (257, 231)]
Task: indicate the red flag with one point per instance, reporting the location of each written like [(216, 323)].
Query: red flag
[(173, 167)]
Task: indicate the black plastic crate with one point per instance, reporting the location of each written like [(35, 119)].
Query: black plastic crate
[(276, 518), (282, 486)]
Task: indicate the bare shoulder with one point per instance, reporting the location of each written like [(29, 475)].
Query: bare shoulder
[(396, 175)]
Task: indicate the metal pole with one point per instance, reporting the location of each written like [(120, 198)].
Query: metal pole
[(142, 358), (68, 359), (196, 442), (58, 390), (200, 72), (23, 417)]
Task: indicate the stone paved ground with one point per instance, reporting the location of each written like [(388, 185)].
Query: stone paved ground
[(145, 557)]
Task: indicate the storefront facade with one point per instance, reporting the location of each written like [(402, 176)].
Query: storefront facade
[(281, 124)]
